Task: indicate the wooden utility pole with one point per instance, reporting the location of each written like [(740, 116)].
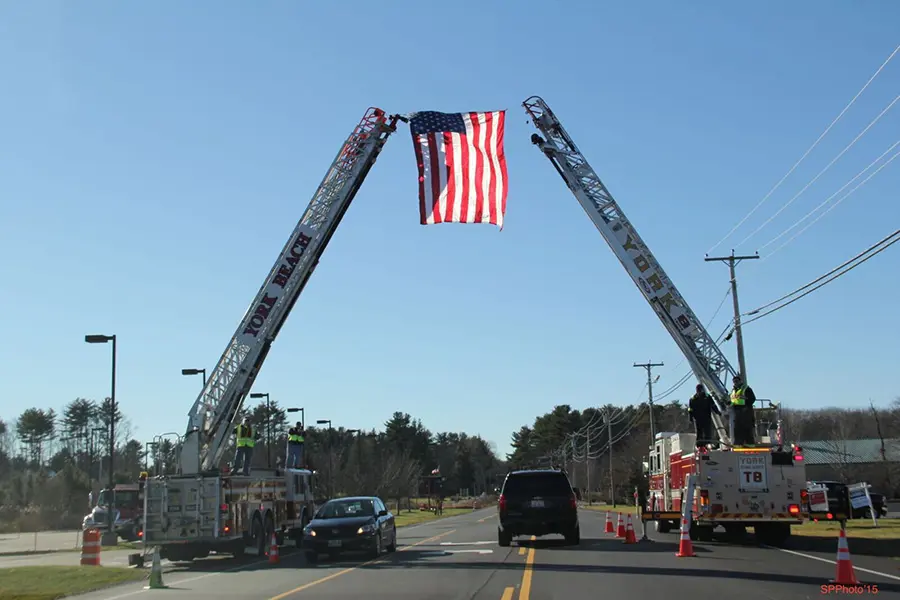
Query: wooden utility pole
[(649, 366), (732, 261)]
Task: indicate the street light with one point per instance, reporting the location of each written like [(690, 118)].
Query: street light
[(109, 537), (330, 453), (302, 416), (195, 372), (268, 428)]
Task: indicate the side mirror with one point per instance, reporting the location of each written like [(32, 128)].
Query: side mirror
[(382, 513)]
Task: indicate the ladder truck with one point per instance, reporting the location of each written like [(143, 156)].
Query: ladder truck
[(761, 486), (203, 509)]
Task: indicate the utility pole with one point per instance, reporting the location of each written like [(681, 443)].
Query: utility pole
[(574, 466), (733, 261), (612, 486), (587, 465), (649, 366)]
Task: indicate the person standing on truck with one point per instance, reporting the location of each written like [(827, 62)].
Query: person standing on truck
[(700, 409), (295, 446), (245, 442), (742, 399)]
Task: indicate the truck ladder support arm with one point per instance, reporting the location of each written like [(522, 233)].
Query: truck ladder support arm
[(705, 358), (210, 420)]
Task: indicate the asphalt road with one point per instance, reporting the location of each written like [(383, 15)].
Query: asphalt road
[(43, 540), (458, 558)]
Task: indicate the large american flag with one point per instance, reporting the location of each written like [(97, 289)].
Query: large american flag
[(462, 166)]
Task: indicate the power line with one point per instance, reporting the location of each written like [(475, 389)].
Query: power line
[(805, 154), (824, 283), (829, 198), (822, 172), (835, 205)]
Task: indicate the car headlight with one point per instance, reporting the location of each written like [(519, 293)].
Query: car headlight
[(309, 532), (370, 528)]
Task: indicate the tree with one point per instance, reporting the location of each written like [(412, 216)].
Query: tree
[(78, 419), (34, 427)]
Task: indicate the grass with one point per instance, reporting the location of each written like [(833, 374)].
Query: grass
[(120, 546), (609, 507), (888, 529), (51, 582), (405, 518)]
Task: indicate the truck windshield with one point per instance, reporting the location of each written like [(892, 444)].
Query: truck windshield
[(123, 498)]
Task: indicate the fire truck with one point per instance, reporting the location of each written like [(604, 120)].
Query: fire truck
[(762, 486), (205, 508)]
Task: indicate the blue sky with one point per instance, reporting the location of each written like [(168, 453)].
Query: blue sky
[(155, 158)]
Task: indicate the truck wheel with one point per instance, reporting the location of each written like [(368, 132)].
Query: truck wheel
[(504, 538), (773, 534), (258, 535), (662, 526)]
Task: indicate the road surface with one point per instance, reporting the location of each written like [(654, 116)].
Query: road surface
[(458, 558), (42, 541)]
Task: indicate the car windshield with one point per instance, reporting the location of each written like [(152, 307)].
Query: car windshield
[(537, 484), (339, 509), (123, 498)]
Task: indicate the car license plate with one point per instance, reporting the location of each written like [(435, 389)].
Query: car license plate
[(537, 504), (334, 543)]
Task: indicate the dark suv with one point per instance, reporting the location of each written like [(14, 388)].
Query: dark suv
[(537, 502)]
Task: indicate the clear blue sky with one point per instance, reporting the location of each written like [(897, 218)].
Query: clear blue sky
[(155, 157)]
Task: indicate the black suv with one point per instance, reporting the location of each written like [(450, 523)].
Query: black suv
[(537, 502)]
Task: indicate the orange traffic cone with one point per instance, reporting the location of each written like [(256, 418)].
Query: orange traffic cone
[(629, 532), (273, 550), (620, 527), (685, 547), (609, 525), (845, 575)]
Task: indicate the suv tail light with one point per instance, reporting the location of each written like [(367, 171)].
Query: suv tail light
[(501, 502), (573, 502)]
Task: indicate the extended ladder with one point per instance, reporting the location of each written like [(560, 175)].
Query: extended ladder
[(705, 358), (210, 419)]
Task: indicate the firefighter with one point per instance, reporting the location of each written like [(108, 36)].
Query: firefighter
[(701, 406), (245, 440), (295, 446), (742, 399)]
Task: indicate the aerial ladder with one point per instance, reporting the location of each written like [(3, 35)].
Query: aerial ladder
[(706, 360), (211, 418)]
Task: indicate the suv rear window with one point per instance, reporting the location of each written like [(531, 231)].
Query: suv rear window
[(537, 484)]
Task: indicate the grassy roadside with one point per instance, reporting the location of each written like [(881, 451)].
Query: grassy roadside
[(51, 582), (120, 546), (405, 518)]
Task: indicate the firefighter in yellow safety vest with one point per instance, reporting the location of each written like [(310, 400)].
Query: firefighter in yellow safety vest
[(742, 399), (295, 446), (245, 440)]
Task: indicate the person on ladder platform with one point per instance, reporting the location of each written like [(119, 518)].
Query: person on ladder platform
[(295, 446), (742, 399), (245, 441), (700, 409)]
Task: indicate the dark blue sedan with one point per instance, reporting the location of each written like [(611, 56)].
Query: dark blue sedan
[(358, 524)]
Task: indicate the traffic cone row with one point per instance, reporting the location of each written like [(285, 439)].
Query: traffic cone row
[(273, 550), (629, 532), (620, 528), (685, 547), (844, 575), (609, 523)]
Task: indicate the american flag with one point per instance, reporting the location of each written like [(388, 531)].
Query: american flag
[(462, 166)]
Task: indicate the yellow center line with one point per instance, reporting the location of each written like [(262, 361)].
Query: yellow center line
[(508, 593), (306, 586), (525, 588), (522, 550)]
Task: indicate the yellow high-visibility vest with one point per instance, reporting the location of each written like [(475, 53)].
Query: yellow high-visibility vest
[(245, 437), (737, 396), (295, 438)]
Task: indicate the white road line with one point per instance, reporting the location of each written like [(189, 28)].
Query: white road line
[(465, 543), (834, 562)]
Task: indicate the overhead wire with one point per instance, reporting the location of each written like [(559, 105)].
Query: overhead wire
[(866, 255), (835, 205), (805, 154), (829, 198), (820, 173)]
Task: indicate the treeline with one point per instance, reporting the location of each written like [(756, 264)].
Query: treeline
[(49, 463), (580, 440)]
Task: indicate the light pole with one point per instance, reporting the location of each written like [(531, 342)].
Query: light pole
[(302, 415), (109, 537), (195, 372), (268, 428), (330, 461)]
